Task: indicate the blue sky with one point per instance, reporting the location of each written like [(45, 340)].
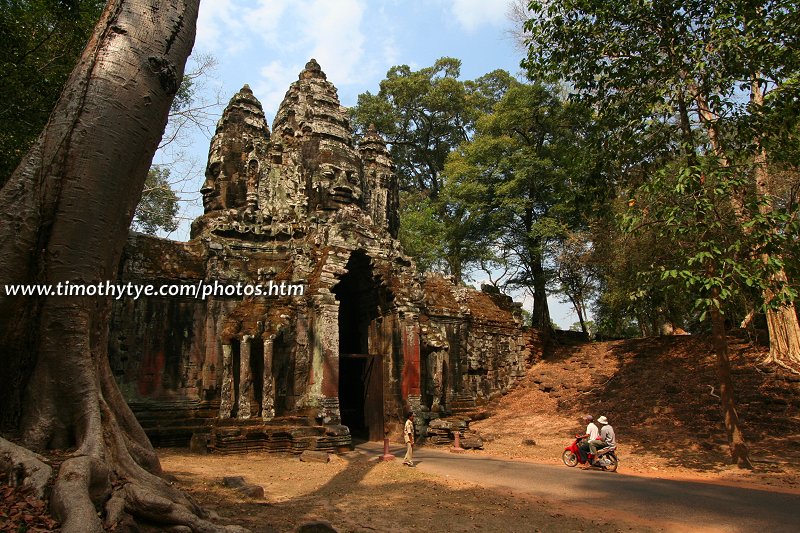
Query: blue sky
[(266, 43)]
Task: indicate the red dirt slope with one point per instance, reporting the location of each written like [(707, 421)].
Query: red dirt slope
[(660, 396)]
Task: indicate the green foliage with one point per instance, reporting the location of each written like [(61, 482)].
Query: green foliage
[(522, 180), (41, 42), (159, 204), (574, 274), (630, 303), (587, 327), (676, 89), (718, 258), (420, 233), (425, 115)]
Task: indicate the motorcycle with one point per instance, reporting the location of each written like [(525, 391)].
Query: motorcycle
[(606, 458)]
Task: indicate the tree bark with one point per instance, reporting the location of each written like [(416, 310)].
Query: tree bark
[(782, 322), (541, 309), (64, 216), (736, 442)]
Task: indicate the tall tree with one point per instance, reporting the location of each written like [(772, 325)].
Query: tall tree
[(728, 69), (574, 274), (521, 179), (64, 216), (680, 66), (425, 114), (41, 42)]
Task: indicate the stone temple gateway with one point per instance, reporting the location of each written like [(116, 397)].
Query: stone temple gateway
[(347, 336)]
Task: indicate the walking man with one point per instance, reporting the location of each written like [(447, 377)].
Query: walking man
[(408, 436)]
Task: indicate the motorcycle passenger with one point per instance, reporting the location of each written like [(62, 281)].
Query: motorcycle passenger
[(591, 434), (607, 437)]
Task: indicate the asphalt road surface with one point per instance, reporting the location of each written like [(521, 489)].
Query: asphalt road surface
[(660, 503)]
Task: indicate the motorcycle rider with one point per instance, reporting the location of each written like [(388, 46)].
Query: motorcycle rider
[(607, 437), (591, 433)]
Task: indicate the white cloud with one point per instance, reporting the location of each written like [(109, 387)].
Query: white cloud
[(274, 80), (330, 32), (337, 41), (474, 13), (266, 19), (227, 27), (216, 22)]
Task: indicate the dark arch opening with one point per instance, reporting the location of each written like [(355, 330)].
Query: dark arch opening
[(360, 372)]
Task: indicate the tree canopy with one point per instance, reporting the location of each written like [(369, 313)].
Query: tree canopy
[(425, 115), (159, 204), (41, 42), (700, 102), (521, 179)]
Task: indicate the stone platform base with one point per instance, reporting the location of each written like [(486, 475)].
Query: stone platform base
[(442, 431), (293, 435)]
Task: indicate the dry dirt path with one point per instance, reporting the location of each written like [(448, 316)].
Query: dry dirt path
[(635, 501)]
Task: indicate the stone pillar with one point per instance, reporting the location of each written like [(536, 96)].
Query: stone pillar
[(325, 367), (226, 390), (245, 378), (410, 380), (268, 399), (211, 359)]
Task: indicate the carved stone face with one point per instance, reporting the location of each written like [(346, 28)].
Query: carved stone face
[(210, 188), (338, 185), (226, 183)]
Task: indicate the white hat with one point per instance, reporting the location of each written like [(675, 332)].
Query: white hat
[(603, 420)]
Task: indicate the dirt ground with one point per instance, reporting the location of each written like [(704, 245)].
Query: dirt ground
[(657, 393), (356, 493)]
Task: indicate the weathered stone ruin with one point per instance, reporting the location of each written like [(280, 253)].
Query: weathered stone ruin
[(346, 336)]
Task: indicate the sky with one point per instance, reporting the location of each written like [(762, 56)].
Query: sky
[(266, 43)]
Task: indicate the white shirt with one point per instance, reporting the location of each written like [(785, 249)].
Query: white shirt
[(592, 431), (408, 431)]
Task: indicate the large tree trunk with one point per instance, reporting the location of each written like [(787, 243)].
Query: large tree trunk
[(541, 309), (64, 216), (782, 322)]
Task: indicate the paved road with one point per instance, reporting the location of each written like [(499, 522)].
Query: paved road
[(669, 504)]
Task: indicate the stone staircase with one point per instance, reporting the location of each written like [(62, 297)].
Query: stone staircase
[(462, 403)]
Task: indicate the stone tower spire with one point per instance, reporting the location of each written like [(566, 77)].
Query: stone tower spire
[(381, 198), (312, 127), (236, 154)]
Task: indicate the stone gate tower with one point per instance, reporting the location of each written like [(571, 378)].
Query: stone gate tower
[(348, 337)]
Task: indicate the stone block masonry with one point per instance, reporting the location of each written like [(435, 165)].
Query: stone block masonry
[(368, 338)]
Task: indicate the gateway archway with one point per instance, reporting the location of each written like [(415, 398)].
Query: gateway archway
[(360, 370)]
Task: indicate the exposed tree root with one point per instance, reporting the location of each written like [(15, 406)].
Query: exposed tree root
[(24, 468), (88, 498), (112, 479), (772, 360)]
